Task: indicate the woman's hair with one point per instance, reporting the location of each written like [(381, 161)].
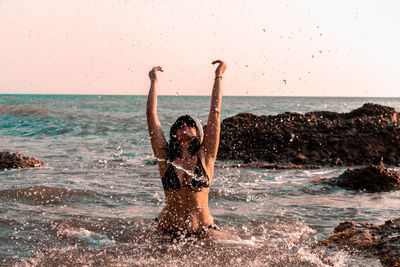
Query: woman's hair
[(173, 147)]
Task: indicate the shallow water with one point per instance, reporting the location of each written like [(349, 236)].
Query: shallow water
[(100, 191)]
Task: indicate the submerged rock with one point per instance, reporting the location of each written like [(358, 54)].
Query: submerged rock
[(379, 240), (370, 179), (42, 194), (367, 135), (16, 160)]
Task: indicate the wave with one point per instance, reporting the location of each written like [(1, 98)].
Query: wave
[(11, 98), (279, 242), (82, 235), (24, 110), (29, 110), (122, 119), (5, 221), (43, 195)]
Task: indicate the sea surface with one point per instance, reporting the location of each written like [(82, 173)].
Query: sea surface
[(100, 191)]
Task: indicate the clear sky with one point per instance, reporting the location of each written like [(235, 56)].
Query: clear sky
[(272, 48)]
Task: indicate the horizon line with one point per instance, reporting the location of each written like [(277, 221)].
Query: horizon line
[(291, 96)]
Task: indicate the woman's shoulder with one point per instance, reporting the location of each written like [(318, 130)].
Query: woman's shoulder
[(203, 154)]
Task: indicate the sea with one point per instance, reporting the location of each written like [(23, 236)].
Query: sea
[(100, 191)]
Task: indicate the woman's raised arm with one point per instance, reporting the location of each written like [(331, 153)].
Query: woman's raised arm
[(211, 135), (157, 137)]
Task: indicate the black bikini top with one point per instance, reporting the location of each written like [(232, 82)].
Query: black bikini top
[(170, 180)]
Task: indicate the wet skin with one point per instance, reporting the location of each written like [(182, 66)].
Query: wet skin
[(186, 208)]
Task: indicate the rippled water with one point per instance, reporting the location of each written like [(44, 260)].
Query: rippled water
[(98, 196)]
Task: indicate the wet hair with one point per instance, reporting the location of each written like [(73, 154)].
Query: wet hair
[(173, 147)]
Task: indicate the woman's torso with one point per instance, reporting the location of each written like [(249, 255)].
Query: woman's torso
[(186, 208)]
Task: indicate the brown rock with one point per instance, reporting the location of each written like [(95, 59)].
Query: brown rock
[(16, 160), (318, 179), (370, 179), (379, 240), (367, 135)]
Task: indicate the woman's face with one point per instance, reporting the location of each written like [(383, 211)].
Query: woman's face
[(185, 133)]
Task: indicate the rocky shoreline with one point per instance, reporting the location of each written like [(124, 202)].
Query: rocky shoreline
[(367, 135), (382, 241)]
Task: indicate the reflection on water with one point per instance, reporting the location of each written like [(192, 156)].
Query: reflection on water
[(272, 217), (95, 202)]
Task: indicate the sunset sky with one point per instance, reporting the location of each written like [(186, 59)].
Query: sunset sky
[(272, 48)]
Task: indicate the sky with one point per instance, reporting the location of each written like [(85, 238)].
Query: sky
[(271, 48)]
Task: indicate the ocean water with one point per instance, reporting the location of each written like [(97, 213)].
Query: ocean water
[(100, 191)]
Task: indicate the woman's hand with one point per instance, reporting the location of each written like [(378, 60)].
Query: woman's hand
[(153, 73), (221, 67)]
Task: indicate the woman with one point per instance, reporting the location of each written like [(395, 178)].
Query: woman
[(186, 164)]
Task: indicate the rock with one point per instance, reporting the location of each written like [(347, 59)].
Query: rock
[(267, 166), (367, 135), (318, 180), (370, 109), (369, 179), (16, 160), (378, 240)]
